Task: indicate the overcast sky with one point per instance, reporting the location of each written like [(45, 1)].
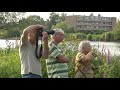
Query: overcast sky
[(45, 15)]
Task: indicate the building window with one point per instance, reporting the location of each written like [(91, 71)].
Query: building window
[(96, 18)]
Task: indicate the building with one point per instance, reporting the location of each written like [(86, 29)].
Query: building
[(91, 22)]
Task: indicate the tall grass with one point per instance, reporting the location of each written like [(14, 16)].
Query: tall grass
[(10, 64)]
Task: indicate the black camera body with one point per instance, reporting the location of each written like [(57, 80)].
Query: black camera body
[(49, 32)]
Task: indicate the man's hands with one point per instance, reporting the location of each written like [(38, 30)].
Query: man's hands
[(30, 29), (45, 36), (45, 53)]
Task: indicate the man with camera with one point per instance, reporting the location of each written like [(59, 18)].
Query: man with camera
[(30, 64), (57, 62)]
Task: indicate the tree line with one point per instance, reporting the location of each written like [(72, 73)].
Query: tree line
[(13, 23)]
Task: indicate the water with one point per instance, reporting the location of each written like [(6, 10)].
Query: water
[(8, 43), (114, 47)]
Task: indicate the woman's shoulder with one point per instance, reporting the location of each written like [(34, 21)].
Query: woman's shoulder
[(79, 54)]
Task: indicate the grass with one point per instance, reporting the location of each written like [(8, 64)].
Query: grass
[(10, 64)]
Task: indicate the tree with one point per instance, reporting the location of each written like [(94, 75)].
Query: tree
[(47, 25), (62, 17), (89, 37), (116, 32), (109, 36), (60, 25), (7, 17), (8, 23), (53, 19), (81, 36), (64, 26), (33, 19), (71, 30)]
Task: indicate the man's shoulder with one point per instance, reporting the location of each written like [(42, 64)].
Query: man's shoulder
[(25, 44), (51, 45)]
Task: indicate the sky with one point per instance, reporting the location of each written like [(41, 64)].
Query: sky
[(45, 15)]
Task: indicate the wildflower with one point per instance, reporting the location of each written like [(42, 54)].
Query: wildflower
[(105, 73), (108, 56), (102, 50)]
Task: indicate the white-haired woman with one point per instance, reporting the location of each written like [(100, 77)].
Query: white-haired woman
[(83, 65)]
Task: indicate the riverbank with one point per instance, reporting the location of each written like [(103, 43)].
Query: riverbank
[(113, 47), (13, 38), (10, 65)]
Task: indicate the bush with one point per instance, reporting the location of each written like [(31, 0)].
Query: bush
[(89, 37), (81, 36)]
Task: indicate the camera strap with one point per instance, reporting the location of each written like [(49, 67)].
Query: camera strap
[(38, 52)]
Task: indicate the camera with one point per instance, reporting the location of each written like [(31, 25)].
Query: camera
[(38, 52), (49, 32)]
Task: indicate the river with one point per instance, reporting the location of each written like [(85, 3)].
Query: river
[(114, 47)]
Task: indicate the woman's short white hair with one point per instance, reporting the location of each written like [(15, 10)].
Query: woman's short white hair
[(82, 44)]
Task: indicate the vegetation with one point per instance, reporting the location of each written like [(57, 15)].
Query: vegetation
[(13, 23), (9, 63), (12, 26), (106, 66)]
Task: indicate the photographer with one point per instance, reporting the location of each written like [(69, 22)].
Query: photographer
[(57, 62), (30, 64)]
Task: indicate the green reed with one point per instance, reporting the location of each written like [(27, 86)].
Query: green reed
[(10, 63)]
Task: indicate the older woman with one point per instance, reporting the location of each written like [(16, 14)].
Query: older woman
[(83, 65)]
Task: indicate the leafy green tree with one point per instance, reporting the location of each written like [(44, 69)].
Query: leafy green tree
[(109, 36), (7, 17), (116, 32), (53, 19), (62, 17), (81, 36), (64, 26), (9, 22), (61, 25), (89, 37), (70, 30), (47, 25), (33, 19)]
